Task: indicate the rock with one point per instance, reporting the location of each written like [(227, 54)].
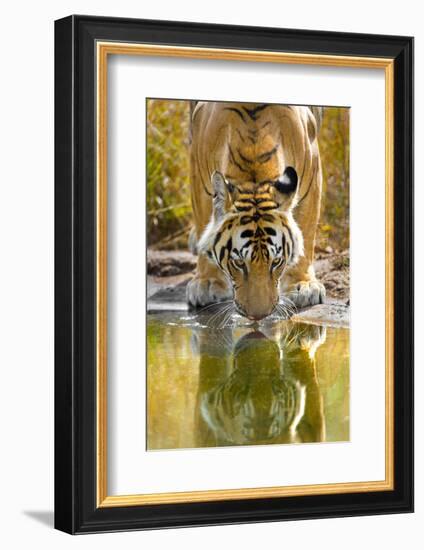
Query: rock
[(167, 263), (167, 292), (329, 314), (333, 272)]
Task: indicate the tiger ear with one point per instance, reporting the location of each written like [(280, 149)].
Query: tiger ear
[(287, 184), (286, 188), (221, 188)]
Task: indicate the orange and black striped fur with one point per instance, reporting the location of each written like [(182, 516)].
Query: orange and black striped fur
[(256, 189)]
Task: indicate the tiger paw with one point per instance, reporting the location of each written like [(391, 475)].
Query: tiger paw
[(306, 293), (202, 292), (309, 338)]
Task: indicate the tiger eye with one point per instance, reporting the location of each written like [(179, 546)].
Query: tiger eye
[(239, 262), (277, 261)]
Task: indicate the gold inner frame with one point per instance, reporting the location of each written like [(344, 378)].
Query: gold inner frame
[(104, 49)]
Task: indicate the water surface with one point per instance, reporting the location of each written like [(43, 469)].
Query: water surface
[(276, 382)]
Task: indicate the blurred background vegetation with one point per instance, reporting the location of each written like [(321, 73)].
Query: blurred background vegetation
[(168, 189), (334, 148)]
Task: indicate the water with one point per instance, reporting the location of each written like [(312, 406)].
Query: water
[(276, 382)]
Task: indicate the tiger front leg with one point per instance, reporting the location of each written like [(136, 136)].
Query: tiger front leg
[(301, 286), (299, 283), (208, 286)]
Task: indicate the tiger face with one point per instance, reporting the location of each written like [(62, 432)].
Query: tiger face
[(256, 403), (252, 237)]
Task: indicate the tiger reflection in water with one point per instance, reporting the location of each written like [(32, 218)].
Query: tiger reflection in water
[(267, 392)]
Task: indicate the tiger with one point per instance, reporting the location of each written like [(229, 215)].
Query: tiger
[(256, 182), (268, 392)]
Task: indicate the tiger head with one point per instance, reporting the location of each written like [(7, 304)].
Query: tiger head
[(256, 403), (253, 237)]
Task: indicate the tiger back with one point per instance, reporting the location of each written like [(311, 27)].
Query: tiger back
[(256, 185)]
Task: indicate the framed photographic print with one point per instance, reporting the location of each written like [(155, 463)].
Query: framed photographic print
[(234, 274)]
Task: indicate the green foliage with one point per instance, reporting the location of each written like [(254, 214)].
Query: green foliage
[(168, 190), (334, 150), (168, 173)]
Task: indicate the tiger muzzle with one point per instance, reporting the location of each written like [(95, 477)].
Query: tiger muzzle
[(257, 313)]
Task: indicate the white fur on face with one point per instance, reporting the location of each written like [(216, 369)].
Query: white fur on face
[(287, 241)]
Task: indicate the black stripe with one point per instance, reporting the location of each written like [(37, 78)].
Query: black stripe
[(233, 160), (265, 157), (218, 236), (216, 256), (260, 201), (267, 208), (315, 169), (291, 239), (247, 201), (246, 234), (304, 156), (288, 252), (230, 269), (253, 112), (221, 255), (195, 109), (240, 136), (205, 188), (237, 111), (243, 158), (277, 264), (271, 231), (265, 251)]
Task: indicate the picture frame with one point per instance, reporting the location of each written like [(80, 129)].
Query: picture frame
[(83, 45)]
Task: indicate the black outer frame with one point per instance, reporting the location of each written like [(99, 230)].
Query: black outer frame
[(75, 275)]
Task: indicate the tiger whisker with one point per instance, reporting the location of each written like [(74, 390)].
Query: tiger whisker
[(228, 313), (218, 314), (280, 310), (289, 303), (283, 314), (215, 304), (227, 339), (288, 306), (211, 320), (227, 317), (285, 310)]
